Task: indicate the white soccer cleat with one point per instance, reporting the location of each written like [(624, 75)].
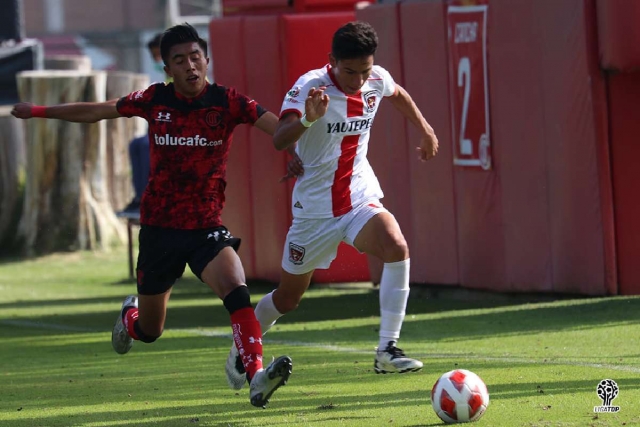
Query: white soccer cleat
[(120, 339), (393, 360), (266, 381), (236, 375)]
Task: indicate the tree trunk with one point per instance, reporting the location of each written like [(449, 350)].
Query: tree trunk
[(66, 202), (68, 62), (12, 176), (120, 132)]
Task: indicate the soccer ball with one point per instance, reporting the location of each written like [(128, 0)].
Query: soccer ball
[(459, 396)]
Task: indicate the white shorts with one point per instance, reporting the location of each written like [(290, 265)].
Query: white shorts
[(313, 242)]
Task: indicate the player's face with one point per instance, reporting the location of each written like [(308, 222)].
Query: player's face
[(188, 66), (351, 74)]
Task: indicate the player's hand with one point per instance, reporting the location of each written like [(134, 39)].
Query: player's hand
[(428, 147), (316, 104), (22, 110), (294, 168)]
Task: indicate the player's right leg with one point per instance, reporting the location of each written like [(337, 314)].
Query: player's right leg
[(374, 231), (160, 263)]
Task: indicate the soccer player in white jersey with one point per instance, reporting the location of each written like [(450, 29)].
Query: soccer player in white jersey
[(329, 113)]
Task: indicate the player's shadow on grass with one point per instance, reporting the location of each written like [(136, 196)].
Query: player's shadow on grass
[(193, 305)]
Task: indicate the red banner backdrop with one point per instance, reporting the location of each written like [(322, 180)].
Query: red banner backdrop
[(468, 83)]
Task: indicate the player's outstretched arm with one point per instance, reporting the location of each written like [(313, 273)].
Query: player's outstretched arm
[(291, 127), (81, 112), (403, 102), (267, 123)]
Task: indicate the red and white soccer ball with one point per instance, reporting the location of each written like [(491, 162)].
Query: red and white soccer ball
[(459, 396)]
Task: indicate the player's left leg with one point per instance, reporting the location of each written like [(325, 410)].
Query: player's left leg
[(374, 231), (160, 264), (310, 244)]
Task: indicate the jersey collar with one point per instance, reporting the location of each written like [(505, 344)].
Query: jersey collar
[(198, 96), (335, 82)]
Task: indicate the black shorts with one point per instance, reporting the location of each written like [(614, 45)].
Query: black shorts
[(165, 252)]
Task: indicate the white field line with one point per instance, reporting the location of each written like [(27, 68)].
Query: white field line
[(340, 349)]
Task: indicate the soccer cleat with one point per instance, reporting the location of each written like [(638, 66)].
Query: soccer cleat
[(236, 376), (392, 360), (120, 339), (266, 381)]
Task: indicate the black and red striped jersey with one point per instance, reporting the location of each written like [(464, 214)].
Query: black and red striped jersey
[(189, 140)]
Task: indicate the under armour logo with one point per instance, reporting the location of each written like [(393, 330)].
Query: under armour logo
[(163, 117), (253, 340), (225, 235)]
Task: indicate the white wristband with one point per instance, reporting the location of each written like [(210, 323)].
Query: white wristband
[(306, 123)]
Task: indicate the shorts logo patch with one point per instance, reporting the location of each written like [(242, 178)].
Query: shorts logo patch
[(296, 253)]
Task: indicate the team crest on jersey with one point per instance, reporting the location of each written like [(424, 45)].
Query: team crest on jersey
[(370, 100), (296, 253), (213, 118), (293, 93)]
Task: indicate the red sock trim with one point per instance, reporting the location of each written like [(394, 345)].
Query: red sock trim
[(130, 317), (248, 338)]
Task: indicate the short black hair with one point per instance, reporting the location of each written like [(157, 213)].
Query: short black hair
[(155, 41), (356, 39), (178, 34)]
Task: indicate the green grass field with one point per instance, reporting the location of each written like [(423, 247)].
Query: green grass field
[(542, 361)]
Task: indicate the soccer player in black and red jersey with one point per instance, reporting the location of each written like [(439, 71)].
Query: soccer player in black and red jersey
[(190, 129)]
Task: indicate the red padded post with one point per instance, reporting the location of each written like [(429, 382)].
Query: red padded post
[(433, 241), (227, 52), (306, 43), (269, 199), (619, 34), (624, 92)]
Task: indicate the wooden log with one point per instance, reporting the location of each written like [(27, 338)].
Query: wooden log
[(120, 132), (66, 201), (68, 62), (12, 177)]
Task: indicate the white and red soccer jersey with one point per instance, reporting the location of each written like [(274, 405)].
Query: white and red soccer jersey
[(337, 174)]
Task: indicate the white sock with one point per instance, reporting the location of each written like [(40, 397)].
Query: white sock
[(394, 292), (267, 313)]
